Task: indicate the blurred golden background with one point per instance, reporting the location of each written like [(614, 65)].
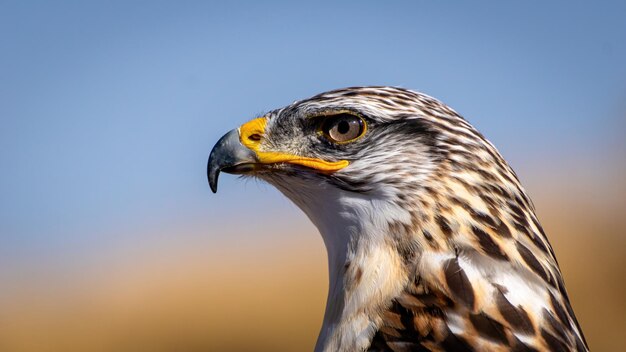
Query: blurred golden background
[(110, 239)]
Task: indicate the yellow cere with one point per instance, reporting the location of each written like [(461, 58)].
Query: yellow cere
[(251, 133)]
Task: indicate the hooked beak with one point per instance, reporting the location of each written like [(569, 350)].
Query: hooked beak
[(228, 155), (239, 152)]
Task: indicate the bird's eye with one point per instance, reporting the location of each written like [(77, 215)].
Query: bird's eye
[(343, 128)]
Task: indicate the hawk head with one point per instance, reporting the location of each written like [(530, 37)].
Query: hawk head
[(371, 143), (421, 217)]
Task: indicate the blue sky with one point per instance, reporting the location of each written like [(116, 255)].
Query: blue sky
[(109, 109)]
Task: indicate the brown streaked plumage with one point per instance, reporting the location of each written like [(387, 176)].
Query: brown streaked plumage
[(433, 244)]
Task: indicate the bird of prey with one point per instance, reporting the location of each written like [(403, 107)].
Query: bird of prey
[(433, 244)]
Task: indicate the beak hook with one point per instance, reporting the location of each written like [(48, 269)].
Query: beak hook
[(227, 152)]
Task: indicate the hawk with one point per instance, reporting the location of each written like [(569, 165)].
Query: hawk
[(433, 244)]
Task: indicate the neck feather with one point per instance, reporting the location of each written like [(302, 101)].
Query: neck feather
[(365, 268)]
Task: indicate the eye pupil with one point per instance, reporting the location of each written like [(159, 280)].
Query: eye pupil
[(343, 127)]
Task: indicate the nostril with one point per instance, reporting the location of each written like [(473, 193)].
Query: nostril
[(255, 137)]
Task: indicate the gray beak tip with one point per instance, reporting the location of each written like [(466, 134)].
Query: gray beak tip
[(213, 180), (213, 169)]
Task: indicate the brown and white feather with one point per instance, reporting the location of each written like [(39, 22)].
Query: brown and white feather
[(433, 243)]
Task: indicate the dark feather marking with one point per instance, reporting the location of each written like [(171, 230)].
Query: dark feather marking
[(460, 202), (358, 275), (383, 342), (422, 300), (486, 175), (561, 286), (519, 346), (378, 343), (532, 261), (501, 288), (517, 317), (407, 251), (413, 128), (483, 218), (521, 228), (503, 230), (568, 306), (498, 190), (580, 345), (401, 346), (505, 173), (453, 342), (488, 200), (518, 214), (553, 342), (459, 284), (560, 311), (406, 338), (444, 226), (488, 244), (490, 328), (556, 326), (551, 279), (406, 317), (467, 133), (538, 225), (537, 239), (348, 184), (539, 243), (551, 251), (478, 216), (522, 200), (469, 188)]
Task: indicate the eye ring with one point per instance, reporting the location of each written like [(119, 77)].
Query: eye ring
[(343, 128)]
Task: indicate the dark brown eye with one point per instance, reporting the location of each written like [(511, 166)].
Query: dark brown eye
[(343, 127)]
